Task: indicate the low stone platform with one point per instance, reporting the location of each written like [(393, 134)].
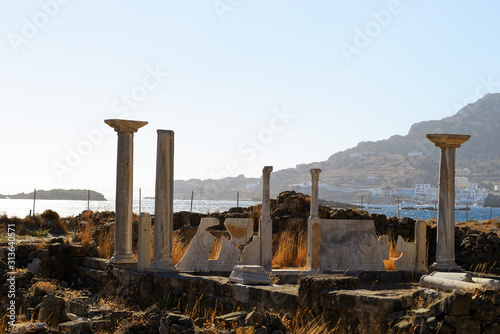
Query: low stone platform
[(337, 298)]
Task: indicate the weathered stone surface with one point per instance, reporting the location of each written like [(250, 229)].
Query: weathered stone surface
[(447, 284), (32, 327), (75, 327), (486, 310), (240, 229), (52, 310), (254, 319), (249, 274), (76, 307), (352, 244), (144, 243), (445, 243), (196, 256), (265, 222), (164, 204), (251, 254), (407, 260), (365, 311), (467, 325), (36, 266), (456, 305), (310, 288)]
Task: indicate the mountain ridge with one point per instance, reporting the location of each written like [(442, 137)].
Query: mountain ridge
[(402, 160)]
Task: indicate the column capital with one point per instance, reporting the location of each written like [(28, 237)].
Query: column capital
[(168, 133), (315, 171), (124, 125), (267, 169), (448, 140)]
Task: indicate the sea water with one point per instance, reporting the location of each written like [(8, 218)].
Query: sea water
[(65, 208)]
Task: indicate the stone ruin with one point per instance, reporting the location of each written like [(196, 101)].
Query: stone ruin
[(331, 287), (332, 244)]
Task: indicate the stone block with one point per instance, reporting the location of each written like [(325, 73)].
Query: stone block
[(249, 274), (196, 256), (352, 244), (456, 305), (35, 266), (252, 252), (407, 260), (240, 229), (52, 310), (228, 257), (74, 327)]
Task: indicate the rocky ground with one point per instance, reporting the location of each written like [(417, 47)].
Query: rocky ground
[(50, 306)]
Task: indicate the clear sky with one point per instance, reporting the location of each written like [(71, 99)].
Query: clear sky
[(243, 83)]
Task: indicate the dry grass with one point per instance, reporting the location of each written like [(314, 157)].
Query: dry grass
[(43, 287), (215, 250), (179, 247), (290, 249), (106, 245), (305, 323), (85, 234)]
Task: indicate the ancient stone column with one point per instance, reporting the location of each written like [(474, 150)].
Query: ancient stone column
[(445, 242), (314, 225), (266, 223), (144, 242), (314, 192), (164, 204), (124, 189)]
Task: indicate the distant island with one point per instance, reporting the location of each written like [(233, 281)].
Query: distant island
[(60, 194)]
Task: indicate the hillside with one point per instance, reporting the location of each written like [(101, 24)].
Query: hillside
[(386, 164)]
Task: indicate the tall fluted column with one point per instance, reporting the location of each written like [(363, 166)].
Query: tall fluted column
[(314, 225), (445, 242), (266, 223), (164, 204), (124, 189)]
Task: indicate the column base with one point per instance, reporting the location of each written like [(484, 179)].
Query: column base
[(163, 266), (123, 259), (445, 266)]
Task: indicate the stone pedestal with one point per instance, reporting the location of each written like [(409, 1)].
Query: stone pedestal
[(266, 223), (124, 189), (164, 204), (314, 225), (445, 242)]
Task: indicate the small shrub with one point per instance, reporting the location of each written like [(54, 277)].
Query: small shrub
[(41, 232), (42, 288), (50, 215)]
